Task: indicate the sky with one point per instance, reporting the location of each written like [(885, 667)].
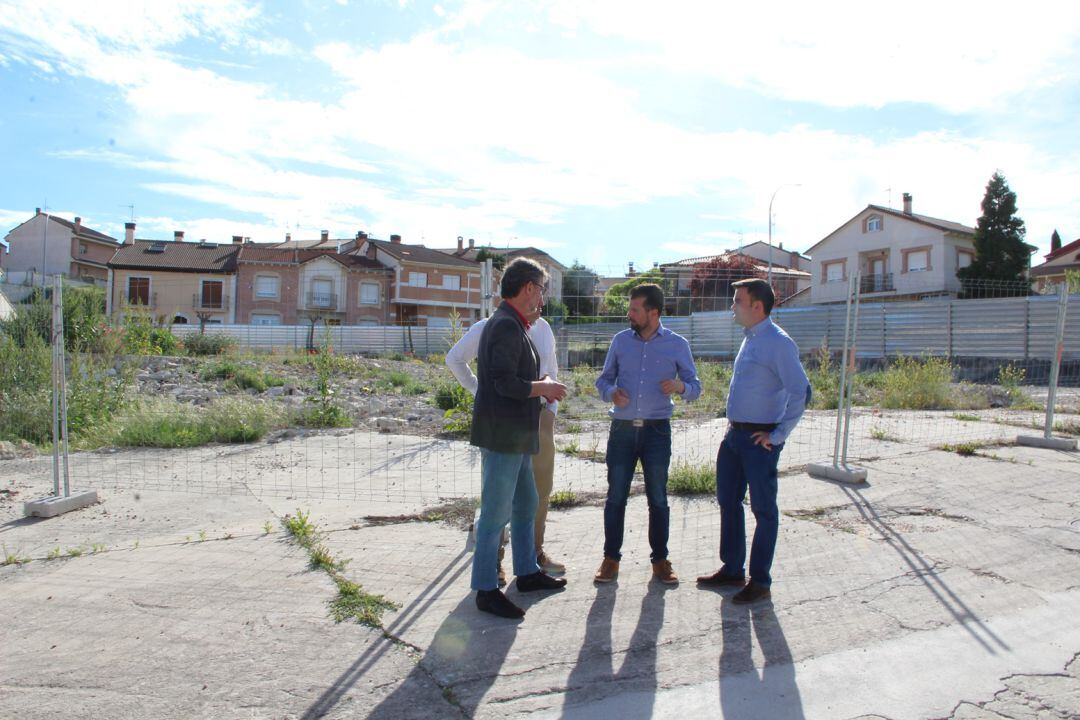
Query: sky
[(602, 132)]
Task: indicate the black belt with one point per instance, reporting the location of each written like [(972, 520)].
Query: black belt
[(753, 427), (639, 422)]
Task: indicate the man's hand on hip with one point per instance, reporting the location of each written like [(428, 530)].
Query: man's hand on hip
[(761, 437)]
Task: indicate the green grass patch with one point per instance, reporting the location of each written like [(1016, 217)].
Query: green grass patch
[(917, 384), (166, 423), (241, 377), (563, 499), (688, 479), (965, 417)]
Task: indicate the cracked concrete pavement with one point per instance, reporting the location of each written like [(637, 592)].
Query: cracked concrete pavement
[(947, 587)]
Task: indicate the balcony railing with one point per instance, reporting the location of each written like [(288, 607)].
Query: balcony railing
[(876, 283), (320, 301), (150, 301), (208, 302)]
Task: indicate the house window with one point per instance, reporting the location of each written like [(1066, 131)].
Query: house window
[(369, 293), (266, 286), (83, 249), (212, 293), (138, 292), (322, 293), (265, 319), (964, 258), (873, 223), (917, 260), (418, 279), (834, 271), (180, 320), (451, 282)]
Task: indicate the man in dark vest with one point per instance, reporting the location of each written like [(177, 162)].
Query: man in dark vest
[(506, 428)]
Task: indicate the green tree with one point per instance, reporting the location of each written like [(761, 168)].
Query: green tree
[(1055, 241), (617, 297), (579, 290), (498, 261), (1000, 252)]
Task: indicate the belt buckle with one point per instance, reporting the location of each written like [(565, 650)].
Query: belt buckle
[(638, 422)]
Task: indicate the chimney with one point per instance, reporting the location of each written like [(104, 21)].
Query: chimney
[(78, 224), (630, 271), (288, 237), (238, 239), (460, 243), (372, 252), (324, 235), (907, 203), (472, 243), (129, 233), (361, 236), (396, 239), (37, 211), (178, 236)]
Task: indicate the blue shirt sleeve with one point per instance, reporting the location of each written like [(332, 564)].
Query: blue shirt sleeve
[(796, 386), (605, 383), (684, 363)]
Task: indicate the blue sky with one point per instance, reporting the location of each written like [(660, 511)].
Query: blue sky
[(601, 131)]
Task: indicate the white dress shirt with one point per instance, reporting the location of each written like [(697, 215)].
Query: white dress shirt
[(467, 348)]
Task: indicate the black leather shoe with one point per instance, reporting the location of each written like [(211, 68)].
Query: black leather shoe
[(718, 579), (494, 602), (539, 581), (752, 593)]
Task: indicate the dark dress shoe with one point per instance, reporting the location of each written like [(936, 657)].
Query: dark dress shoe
[(752, 593), (494, 602), (539, 581), (719, 579)]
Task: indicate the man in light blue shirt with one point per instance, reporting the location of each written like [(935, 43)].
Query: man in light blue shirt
[(769, 392), (645, 366)]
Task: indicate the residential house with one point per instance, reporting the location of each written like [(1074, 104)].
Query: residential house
[(788, 277), (428, 285), (555, 269), (900, 254), (1052, 272), (175, 281), (294, 283), (55, 246)]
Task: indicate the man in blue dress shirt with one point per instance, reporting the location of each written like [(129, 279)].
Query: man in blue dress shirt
[(769, 392), (646, 364)]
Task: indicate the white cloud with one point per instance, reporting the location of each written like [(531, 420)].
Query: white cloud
[(485, 139)]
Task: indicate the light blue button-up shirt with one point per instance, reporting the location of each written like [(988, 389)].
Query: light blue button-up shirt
[(769, 384), (639, 366)]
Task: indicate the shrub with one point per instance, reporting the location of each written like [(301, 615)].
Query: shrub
[(917, 384), (200, 344), (687, 479)]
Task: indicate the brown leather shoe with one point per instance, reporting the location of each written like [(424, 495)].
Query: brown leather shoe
[(663, 572), (718, 579), (548, 565), (608, 572), (752, 593)]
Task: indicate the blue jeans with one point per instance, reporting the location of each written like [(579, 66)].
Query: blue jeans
[(626, 445), (740, 464), (507, 494)]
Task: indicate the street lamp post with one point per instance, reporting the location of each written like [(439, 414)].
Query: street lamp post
[(770, 223)]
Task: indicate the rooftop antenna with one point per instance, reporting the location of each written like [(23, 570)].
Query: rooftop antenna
[(132, 209), (889, 190)]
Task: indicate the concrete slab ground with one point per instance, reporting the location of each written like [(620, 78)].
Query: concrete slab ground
[(946, 587)]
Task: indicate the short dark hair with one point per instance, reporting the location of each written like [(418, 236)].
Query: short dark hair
[(519, 273), (653, 295), (760, 290)]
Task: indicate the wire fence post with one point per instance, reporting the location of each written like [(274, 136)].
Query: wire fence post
[(838, 469), (1048, 440), (56, 503)]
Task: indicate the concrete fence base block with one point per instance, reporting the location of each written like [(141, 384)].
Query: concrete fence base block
[(52, 506), (1051, 443), (844, 473)]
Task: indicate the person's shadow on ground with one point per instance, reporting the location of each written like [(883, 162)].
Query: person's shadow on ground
[(594, 676), (744, 693)]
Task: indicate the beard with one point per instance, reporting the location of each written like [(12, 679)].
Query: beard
[(636, 328)]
